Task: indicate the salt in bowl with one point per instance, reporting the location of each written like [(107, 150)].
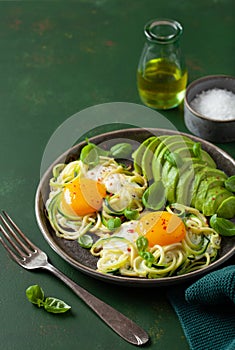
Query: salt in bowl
[(214, 94)]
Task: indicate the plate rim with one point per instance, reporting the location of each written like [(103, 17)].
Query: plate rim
[(123, 280)]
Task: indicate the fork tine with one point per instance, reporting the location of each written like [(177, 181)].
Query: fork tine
[(10, 231), (18, 230), (10, 252), (12, 243)]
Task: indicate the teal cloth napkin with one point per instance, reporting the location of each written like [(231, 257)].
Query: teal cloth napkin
[(206, 310)]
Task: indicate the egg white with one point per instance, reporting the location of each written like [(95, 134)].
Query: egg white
[(126, 231)]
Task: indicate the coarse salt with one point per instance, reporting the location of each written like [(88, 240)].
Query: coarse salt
[(217, 104)]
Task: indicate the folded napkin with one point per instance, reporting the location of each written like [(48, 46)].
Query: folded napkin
[(206, 310)]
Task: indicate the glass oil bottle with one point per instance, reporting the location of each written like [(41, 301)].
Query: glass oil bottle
[(162, 74)]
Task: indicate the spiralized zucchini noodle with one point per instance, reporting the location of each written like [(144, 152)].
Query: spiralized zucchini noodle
[(124, 190), (119, 247), (197, 250)]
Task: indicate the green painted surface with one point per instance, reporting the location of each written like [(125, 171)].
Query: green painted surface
[(57, 58)]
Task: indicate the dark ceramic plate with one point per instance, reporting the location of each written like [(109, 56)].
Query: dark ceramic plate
[(80, 258)]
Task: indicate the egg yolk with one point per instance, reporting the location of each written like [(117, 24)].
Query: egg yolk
[(83, 196), (161, 228)]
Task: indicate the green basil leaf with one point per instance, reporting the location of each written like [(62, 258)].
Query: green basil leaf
[(121, 150), (223, 226), (114, 223), (174, 159), (35, 295), (55, 305), (131, 214), (197, 150), (148, 257), (154, 196), (142, 244), (85, 241), (90, 154), (230, 183)]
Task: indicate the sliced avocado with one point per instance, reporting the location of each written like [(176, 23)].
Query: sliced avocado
[(184, 152), (170, 184), (201, 175), (165, 170), (147, 158), (205, 185), (227, 208), (138, 154), (176, 138), (175, 178), (215, 196), (172, 147), (156, 171), (161, 145), (169, 145), (207, 159), (185, 184)]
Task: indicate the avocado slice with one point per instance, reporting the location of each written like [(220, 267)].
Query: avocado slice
[(204, 186), (156, 168), (171, 148), (201, 175), (169, 145), (161, 145), (170, 183), (184, 152), (227, 208), (138, 154), (208, 159), (184, 187), (215, 196), (205, 157), (147, 158)]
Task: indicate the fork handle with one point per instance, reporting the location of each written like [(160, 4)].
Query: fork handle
[(122, 325)]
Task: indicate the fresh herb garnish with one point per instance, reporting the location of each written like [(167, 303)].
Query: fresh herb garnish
[(223, 226), (131, 214), (142, 245), (197, 150), (35, 295), (121, 150), (154, 196), (114, 223), (230, 183), (90, 153), (85, 241)]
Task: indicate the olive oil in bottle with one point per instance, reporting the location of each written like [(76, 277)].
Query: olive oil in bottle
[(161, 74), (162, 84)]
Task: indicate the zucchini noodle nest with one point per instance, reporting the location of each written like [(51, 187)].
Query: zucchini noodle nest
[(124, 192), (121, 247), (119, 255)]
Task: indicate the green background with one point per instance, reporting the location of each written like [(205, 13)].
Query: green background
[(56, 59)]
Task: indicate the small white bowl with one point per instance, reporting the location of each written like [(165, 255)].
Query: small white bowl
[(208, 128)]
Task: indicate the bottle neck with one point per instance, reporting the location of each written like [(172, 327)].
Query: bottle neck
[(163, 32)]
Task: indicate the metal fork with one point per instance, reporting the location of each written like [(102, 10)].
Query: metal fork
[(30, 257)]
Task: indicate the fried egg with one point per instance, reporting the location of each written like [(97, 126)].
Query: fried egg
[(159, 227), (83, 196), (162, 228)]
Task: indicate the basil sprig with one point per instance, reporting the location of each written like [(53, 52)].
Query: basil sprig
[(90, 153), (85, 241), (223, 226), (230, 183), (35, 295), (142, 245), (154, 196), (121, 150)]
